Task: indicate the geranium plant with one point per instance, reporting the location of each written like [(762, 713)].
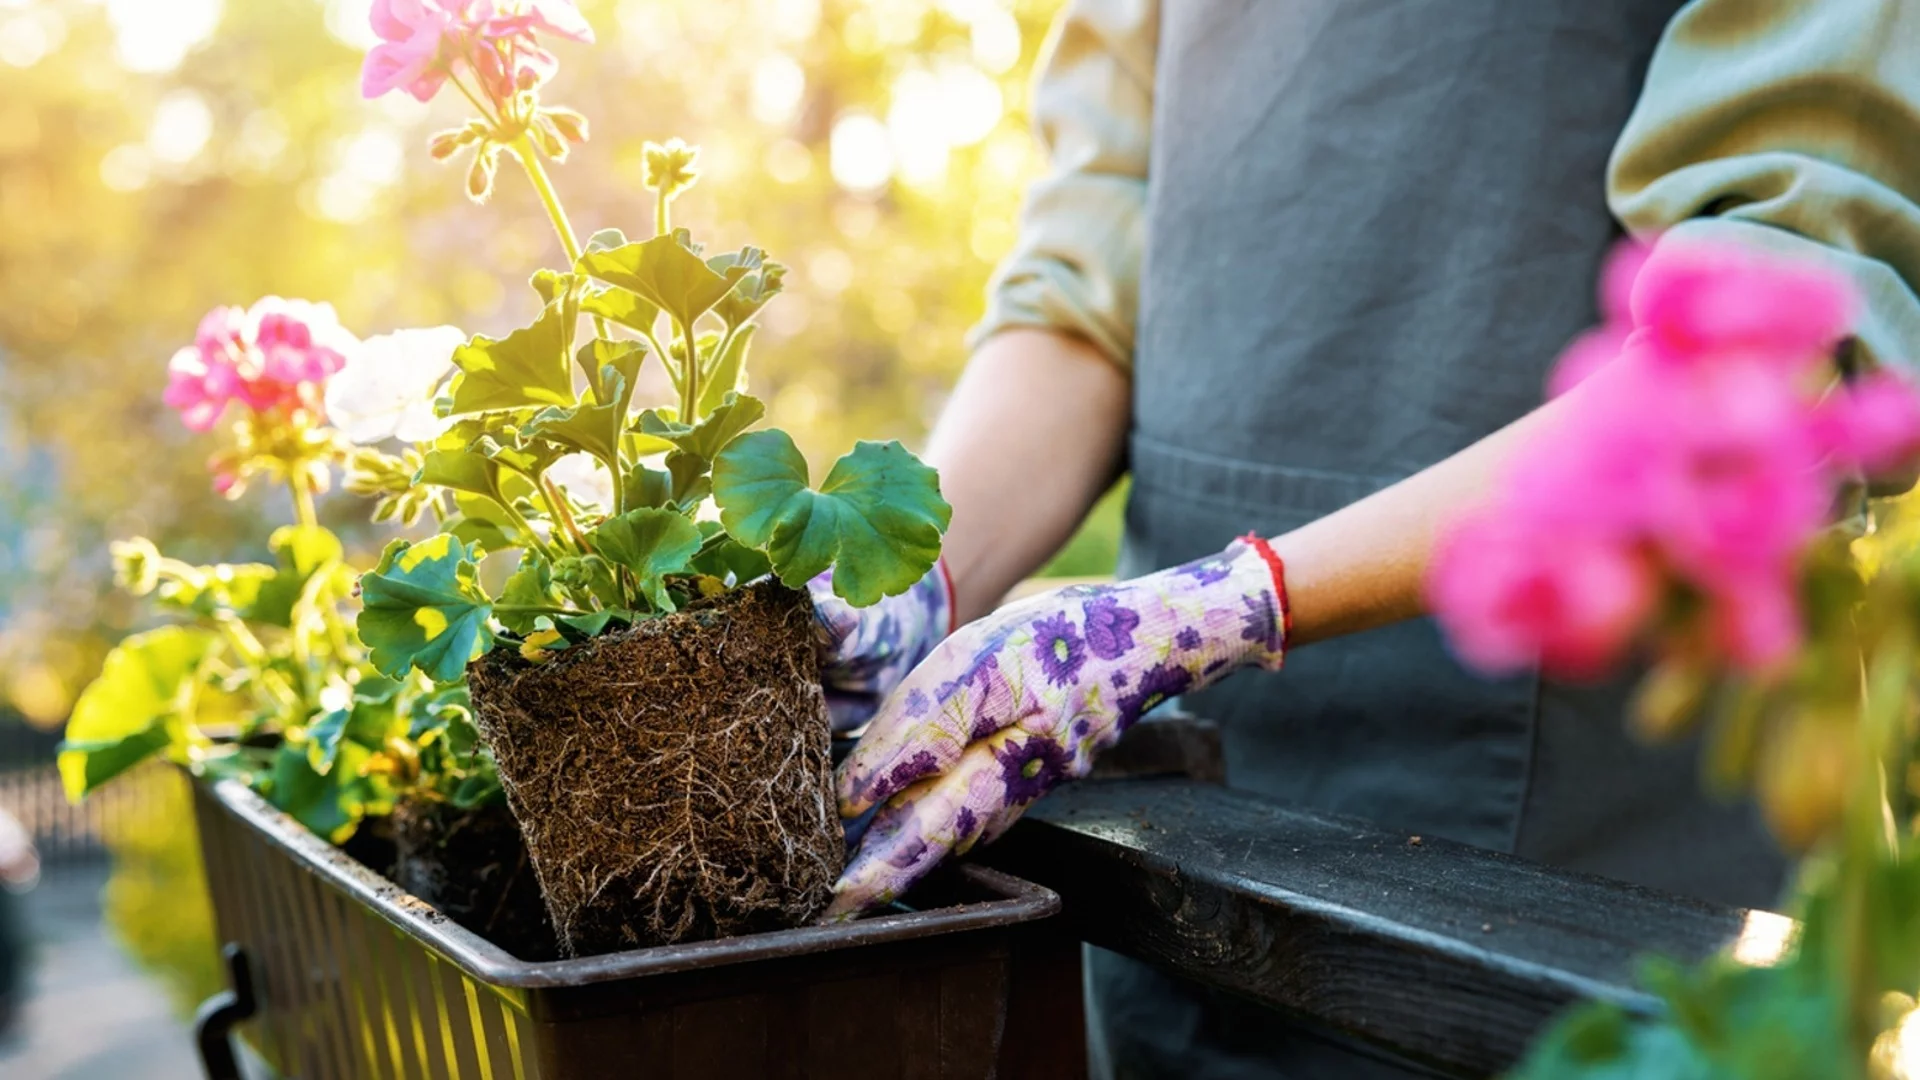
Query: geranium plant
[(1714, 431), (660, 727), (636, 541), (261, 677)]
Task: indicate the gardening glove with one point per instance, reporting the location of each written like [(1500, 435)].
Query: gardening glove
[(865, 652), (1023, 699)]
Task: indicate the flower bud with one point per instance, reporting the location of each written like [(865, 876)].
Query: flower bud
[(548, 138), (571, 125), (136, 565), (480, 175), (445, 144), (670, 168)]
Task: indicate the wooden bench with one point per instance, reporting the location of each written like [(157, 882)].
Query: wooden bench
[(1445, 954)]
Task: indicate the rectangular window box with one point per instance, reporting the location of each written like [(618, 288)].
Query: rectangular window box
[(340, 974)]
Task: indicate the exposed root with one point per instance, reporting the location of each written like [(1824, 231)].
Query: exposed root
[(673, 781)]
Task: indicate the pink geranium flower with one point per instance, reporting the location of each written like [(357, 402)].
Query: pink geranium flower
[(1873, 423), (276, 356), (424, 42), (1698, 300), (1513, 595), (1692, 451)]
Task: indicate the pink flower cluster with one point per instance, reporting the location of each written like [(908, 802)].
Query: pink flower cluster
[(1698, 449), (275, 356), (425, 42)]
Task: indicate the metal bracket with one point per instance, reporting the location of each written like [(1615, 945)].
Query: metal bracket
[(213, 1024)]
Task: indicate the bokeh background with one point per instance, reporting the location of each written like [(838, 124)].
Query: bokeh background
[(161, 157)]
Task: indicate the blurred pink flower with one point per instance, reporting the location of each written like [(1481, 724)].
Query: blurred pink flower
[(277, 355), (1698, 301), (1511, 595), (526, 18), (423, 41), (202, 377), (410, 56), (1757, 621), (1873, 423), (1694, 453)]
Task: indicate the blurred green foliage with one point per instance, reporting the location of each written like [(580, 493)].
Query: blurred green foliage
[(156, 903), (159, 157)]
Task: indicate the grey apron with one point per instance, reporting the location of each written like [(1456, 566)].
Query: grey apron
[(1372, 225)]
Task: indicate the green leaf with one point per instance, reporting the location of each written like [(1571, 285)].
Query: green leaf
[(126, 715), (606, 240), (481, 523), (531, 585), (650, 544), (527, 455), (423, 609), (621, 306), (526, 368), (302, 552), (691, 482), (876, 520), (647, 487), (477, 791), (596, 429), (711, 435), (729, 374), (664, 273), (330, 804), (730, 557), (368, 720), (761, 284), (578, 628), (461, 466), (625, 357)]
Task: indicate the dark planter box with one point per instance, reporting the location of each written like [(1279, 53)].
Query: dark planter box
[(341, 974)]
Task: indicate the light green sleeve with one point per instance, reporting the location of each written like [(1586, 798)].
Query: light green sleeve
[(1076, 264), (1792, 125)]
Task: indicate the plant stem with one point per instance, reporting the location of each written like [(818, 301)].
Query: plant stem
[(662, 219), (303, 511), (537, 609), (557, 502), (690, 386), (529, 158), (526, 528)]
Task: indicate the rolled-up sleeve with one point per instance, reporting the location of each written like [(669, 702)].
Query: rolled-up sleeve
[(1792, 125), (1076, 264)]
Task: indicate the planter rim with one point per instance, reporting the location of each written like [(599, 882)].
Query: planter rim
[(1020, 901)]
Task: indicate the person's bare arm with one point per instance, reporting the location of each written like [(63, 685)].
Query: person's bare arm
[(1033, 435), (1365, 566)]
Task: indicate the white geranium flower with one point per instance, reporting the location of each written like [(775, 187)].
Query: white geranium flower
[(585, 478), (386, 390)]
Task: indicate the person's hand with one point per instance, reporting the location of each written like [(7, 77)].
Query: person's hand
[(865, 652), (1021, 700)]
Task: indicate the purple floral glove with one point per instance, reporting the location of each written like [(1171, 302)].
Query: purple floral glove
[(865, 652), (1023, 699)]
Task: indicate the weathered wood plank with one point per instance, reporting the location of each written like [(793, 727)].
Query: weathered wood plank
[(1450, 955)]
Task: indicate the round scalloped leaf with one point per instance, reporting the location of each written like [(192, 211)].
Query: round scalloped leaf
[(422, 608), (876, 520)]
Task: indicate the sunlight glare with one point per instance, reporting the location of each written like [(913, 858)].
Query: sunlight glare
[(1764, 939), (350, 22), (779, 85), (30, 37), (859, 154), (182, 124), (156, 35), (126, 168)]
